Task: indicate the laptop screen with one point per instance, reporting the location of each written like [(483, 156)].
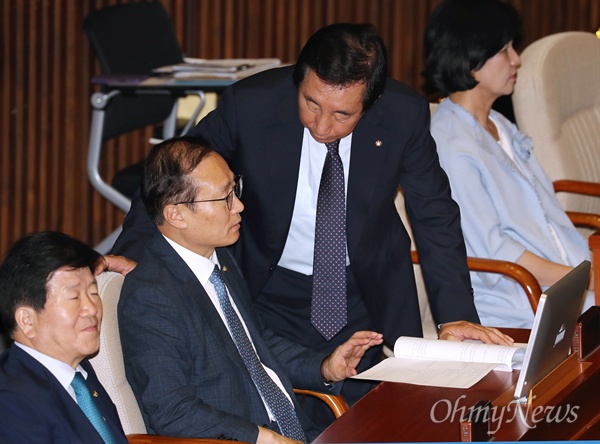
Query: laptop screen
[(553, 327)]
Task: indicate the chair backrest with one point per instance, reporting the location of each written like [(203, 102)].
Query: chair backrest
[(108, 363), (133, 38), (427, 322), (557, 103)]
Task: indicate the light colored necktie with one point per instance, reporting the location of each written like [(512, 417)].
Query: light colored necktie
[(280, 406), (328, 309), (88, 405)]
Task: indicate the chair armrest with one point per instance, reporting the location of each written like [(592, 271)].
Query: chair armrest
[(520, 274), (336, 403), (577, 187), (589, 220), (594, 243), (155, 439)]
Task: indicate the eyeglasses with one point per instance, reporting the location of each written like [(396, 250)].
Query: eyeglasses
[(235, 192)]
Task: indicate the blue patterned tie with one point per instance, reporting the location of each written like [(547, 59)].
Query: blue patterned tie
[(328, 311), (87, 404), (280, 406)]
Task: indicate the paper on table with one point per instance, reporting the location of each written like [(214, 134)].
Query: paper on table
[(217, 68), (444, 363), (425, 372)]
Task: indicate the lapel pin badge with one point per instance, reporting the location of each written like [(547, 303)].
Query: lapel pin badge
[(224, 269), (95, 394), (378, 143)]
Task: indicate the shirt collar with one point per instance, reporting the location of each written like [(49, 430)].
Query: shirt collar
[(61, 370), (201, 266)]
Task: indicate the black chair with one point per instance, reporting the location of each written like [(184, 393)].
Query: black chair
[(129, 39)]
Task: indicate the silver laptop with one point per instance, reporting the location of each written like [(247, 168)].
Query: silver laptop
[(553, 327)]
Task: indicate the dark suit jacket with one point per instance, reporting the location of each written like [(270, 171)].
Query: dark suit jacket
[(35, 408), (256, 128), (181, 361)]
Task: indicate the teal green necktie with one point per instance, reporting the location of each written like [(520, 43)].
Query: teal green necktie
[(88, 405)]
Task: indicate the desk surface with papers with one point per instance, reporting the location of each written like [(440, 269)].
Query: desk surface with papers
[(398, 412)]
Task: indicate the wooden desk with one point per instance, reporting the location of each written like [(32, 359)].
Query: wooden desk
[(405, 412)]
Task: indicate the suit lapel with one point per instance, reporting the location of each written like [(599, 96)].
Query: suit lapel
[(370, 145), (239, 294), (281, 152), (198, 298), (63, 405)]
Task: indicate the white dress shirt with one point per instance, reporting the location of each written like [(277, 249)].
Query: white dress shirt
[(299, 249)]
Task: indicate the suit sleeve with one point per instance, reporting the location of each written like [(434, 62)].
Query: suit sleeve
[(21, 420), (160, 367), (218, 127), (435, 222)]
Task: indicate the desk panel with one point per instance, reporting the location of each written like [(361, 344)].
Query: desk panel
[(394, 412)]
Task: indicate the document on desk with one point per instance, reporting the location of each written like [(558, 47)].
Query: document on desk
[(440, 363), (217, 68)]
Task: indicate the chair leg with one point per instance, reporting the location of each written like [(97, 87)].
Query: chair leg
[(107, 243)]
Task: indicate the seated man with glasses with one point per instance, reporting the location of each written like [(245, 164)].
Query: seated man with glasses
[(199, 360), (236, 191)]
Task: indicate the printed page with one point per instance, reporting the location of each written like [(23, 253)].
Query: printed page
[(442, 363), (505, 357), (451, 374)]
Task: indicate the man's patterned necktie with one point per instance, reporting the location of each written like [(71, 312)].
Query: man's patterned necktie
[(280, 406), (328, 312)]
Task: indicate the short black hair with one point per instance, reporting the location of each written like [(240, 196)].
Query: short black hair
[(461, 36), (343, 54), (166, 176), (30, 264)]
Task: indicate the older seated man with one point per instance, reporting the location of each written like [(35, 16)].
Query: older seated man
[(50, 306)]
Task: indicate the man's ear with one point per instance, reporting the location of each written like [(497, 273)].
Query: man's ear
[(26, 319), (173, 216)]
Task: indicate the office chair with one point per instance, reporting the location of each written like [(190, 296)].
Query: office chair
[(110, 369), (129, 39), (557, 103)]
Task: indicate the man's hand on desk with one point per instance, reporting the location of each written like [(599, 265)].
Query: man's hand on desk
[(461, 330), (342, 363)]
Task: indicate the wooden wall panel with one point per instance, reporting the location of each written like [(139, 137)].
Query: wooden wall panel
[(46, 63)]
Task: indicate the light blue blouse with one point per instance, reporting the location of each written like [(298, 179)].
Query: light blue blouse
[(506, 207)]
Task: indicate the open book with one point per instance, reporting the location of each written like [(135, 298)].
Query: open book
[(444, 363)]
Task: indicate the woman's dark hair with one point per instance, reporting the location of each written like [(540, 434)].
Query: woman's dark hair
[(30, 263), (343, 54), (461, 36)]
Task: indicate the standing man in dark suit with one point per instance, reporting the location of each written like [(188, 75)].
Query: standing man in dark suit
[(274, 128), (50, 305), (197, 357)]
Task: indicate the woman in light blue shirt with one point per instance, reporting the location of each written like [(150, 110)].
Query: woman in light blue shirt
[(509, 210)]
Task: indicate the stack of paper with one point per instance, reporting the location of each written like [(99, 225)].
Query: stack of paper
[(217, 68), (441, 363)]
